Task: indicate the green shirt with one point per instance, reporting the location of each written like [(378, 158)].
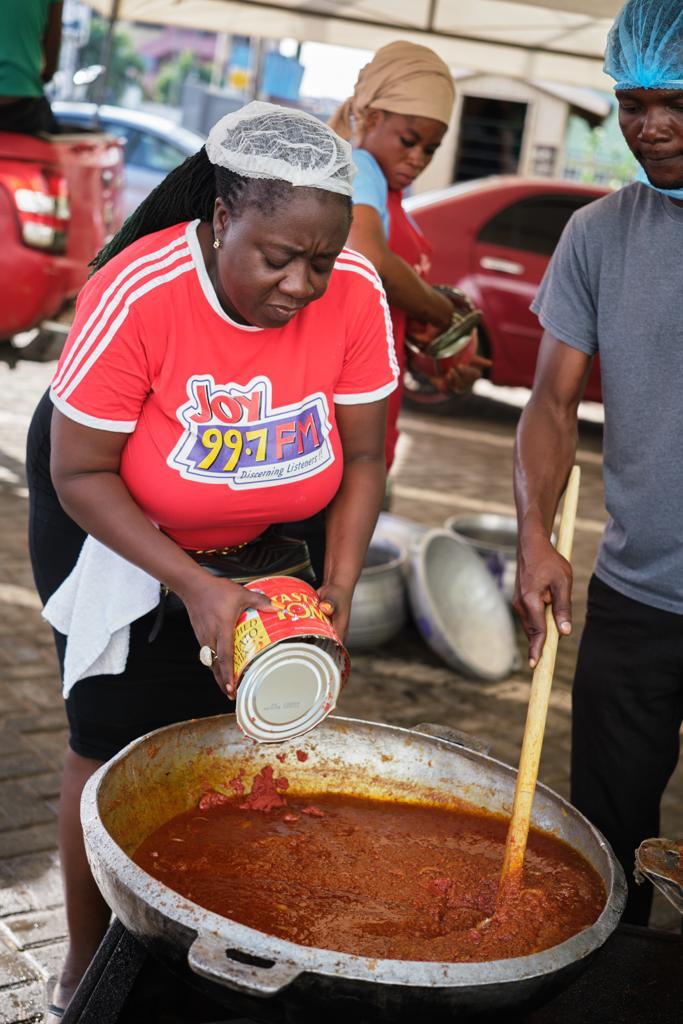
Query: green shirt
[(22, 29)]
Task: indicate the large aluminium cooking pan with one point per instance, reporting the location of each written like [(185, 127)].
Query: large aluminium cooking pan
[(165, 773)]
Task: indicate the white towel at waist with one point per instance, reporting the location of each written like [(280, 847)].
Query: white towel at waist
[(94, 608)]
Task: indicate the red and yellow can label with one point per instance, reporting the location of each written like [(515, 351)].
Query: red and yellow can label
[(250, 639), (296, 614)]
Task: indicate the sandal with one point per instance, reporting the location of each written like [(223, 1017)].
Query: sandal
[(50, 1006)]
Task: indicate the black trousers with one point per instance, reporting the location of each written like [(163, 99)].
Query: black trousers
[(627, 714)]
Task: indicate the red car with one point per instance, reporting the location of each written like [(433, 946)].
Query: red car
[(493, 238), (60, 200)]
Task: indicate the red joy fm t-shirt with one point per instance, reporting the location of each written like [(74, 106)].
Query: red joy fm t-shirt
[(231, 427)]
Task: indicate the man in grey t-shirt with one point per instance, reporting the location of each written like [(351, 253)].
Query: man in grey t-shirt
[(614, 287)]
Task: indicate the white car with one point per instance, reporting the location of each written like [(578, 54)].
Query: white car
[(153, 145)]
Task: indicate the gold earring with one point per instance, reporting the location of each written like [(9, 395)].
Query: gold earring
[(217, 243)]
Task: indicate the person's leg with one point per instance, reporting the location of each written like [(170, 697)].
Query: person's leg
[(87, 914), (163, 683), (54, 544), (627, 711)]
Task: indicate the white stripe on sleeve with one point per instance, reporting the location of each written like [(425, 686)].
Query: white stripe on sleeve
[(364, 397), (148, 286), (86, 420), (85, 341), (374, 279)]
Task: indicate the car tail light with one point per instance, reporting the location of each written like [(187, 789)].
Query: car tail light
[(41, 199)]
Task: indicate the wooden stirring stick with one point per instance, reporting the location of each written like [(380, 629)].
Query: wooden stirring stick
[(541, 684)]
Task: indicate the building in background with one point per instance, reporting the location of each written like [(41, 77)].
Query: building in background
[(500, 125), (507, 126)]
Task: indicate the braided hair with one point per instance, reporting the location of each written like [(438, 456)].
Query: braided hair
[(189, 192)]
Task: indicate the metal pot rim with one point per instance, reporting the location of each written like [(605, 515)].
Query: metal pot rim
[(228, 933), (510, 550), (397, 561)]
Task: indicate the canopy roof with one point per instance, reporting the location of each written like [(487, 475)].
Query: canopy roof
[(555, 40)]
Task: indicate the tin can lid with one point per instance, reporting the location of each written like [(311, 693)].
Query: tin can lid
[(287, 691)]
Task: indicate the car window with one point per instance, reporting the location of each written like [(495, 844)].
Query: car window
[(534, 224), (153, 153), (122, 131)]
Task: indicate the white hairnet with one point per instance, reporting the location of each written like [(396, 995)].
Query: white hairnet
[(645, 45), (262, 140)]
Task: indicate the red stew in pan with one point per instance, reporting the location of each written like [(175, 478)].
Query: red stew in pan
[(371, 877)]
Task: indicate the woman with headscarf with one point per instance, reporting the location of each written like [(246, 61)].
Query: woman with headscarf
[(396, 120)]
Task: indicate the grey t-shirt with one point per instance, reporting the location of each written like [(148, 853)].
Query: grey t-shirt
[(615, 286)]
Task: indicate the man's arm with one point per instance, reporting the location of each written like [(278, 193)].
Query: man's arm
[(544, 452), (52, 40)]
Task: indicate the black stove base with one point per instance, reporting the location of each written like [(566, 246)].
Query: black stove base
[(636, 978)]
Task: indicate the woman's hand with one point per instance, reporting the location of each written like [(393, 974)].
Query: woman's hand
[(421, 333), (460, 379), (335, 602), (543, 577), (214, 606)]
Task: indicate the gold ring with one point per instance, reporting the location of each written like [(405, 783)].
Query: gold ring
[(207, 656)]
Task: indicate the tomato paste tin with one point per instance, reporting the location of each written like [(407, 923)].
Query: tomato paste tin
[(290, 663)]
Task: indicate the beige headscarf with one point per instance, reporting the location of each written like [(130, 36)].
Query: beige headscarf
[(403, 78)]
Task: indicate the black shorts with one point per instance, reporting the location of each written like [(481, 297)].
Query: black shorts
[(163, 682)]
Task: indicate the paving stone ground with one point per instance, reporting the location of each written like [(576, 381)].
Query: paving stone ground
[(449, 465)]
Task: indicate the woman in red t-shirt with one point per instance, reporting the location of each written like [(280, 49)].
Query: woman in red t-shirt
[(228, 368), (396, 119)]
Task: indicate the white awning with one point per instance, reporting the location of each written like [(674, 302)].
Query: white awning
[(551, 40)]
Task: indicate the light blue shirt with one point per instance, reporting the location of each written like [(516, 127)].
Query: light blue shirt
[(370, 186)]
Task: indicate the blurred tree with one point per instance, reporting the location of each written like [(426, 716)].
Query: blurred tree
[(126, 66), (599, 155), (170, 80)]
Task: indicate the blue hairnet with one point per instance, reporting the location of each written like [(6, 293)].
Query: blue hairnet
[(645, 45)]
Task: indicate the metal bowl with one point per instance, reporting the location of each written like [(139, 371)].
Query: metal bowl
[(458, 608), (487, 532), (494, 538), (420, 361), (399, 531), (378, 609), (165, 773)]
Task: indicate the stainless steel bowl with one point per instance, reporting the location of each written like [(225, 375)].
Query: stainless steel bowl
[(165, 773), (487, 531), (398, 530), (378, 609), (459, 609), (494, 538)]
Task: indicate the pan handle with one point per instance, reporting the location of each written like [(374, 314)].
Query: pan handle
[(214, 958), (450, 735)]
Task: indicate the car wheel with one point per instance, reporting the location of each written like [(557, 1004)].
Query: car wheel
[(42, 344)]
